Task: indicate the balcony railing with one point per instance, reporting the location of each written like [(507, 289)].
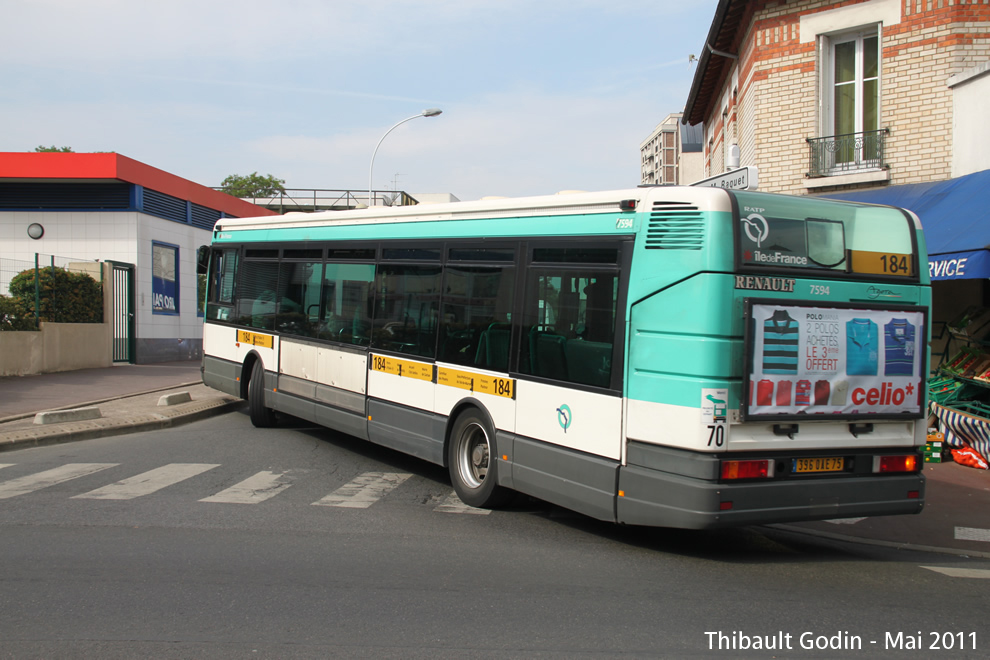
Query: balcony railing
[(842, 154)]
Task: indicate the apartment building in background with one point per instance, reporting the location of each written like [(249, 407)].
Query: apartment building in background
[(672, 154)]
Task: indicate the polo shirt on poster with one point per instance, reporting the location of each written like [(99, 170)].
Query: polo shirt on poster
[(780, 344), (898, 348), (861, 347), (764, 392), (822, 391), (840, 391)]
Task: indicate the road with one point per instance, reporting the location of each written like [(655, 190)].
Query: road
[(218, 540)]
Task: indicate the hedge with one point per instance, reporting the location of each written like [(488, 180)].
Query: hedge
[(65, 297)]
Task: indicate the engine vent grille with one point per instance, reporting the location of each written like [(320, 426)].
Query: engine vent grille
[(675, 226)]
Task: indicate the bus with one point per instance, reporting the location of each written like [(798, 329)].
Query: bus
[(668, 356)]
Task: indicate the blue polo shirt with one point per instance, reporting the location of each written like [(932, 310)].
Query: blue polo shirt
[(861, 347)]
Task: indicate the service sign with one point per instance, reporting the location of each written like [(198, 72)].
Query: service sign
[(854, 362)]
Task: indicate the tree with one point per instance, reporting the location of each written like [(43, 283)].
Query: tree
[(252, 185), (44, 150)]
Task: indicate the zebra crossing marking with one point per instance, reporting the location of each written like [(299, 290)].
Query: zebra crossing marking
[(147, 482), (360, 493), (978, 573), (257, 488), (364, 490), (453, 504), (32, 482), (972, 534)]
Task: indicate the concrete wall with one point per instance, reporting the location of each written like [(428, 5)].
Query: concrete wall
[(56, 347), (970, 129)]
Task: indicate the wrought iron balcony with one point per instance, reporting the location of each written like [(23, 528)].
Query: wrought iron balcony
[(842, 154)]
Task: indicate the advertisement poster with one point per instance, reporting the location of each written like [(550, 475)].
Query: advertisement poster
[(855, 362)]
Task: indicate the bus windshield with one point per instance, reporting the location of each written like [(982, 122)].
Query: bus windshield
[(806, 232)]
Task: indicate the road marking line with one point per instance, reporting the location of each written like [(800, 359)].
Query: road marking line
[(254, 489), (972, 534), (364, 490), (979, 573), (844, 521), (453, 504), (3, 465), (33, 482), (148, 482)]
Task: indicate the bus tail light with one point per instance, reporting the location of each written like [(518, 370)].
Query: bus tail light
[(902, 463), (759, 469)]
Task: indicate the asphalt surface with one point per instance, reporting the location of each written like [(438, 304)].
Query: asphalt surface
[(956, 518)]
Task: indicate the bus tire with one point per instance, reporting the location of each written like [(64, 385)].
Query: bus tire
[(472, 461), (261, 416)]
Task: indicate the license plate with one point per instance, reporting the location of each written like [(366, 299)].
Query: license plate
[(828, 464)]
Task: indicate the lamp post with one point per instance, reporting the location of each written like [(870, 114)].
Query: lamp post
[(432, 112)]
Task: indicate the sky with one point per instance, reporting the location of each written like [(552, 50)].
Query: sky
[(537, 96)]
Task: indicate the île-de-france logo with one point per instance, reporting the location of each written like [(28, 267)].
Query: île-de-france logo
[(756, 227), (564, 417)]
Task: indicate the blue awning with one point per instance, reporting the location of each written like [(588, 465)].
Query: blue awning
[(955, 215)]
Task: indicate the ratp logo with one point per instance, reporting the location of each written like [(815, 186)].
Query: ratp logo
[(564, 417), (755, 222)]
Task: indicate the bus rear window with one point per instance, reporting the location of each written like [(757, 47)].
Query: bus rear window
[(805, 232)]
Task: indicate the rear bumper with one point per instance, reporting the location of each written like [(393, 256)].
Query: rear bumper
[(681, 490)]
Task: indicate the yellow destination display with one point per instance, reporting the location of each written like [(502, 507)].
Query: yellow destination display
[(255, 339), (404, 368), (472, 382), (882, 263)]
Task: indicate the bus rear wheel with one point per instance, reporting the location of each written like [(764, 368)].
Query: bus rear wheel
[(472, 461), (261, 416)]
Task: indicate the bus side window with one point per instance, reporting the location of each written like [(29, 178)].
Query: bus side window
[(477, 304), (569, 325), (407, 309), (220, 293), (298, 309), (347, 300), (257, 282)]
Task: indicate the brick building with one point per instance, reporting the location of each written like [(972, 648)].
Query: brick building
[(880, 101), (824, 96)]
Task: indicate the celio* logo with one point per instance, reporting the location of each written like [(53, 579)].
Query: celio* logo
[(886, 395)]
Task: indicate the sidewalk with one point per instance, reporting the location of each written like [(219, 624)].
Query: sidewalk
[(956, 518), (126, 396)]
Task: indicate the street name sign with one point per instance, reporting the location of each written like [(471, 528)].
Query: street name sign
[(744, 178)]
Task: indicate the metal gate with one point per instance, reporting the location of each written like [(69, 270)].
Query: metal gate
[(123, 312)]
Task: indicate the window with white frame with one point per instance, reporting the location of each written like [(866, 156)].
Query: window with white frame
[(851, 91)]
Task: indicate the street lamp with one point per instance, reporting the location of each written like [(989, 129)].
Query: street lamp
[(432, 112)]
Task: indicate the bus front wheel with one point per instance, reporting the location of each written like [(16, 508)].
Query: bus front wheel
[(261, 416), (472, 460)]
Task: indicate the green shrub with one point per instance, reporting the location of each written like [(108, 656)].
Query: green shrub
[(14, 315), (64, 297)]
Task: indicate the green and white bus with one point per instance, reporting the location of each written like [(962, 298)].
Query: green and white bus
[(674, 356)]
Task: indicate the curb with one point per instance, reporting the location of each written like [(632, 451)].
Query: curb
[(104, 427), (896, 545)]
